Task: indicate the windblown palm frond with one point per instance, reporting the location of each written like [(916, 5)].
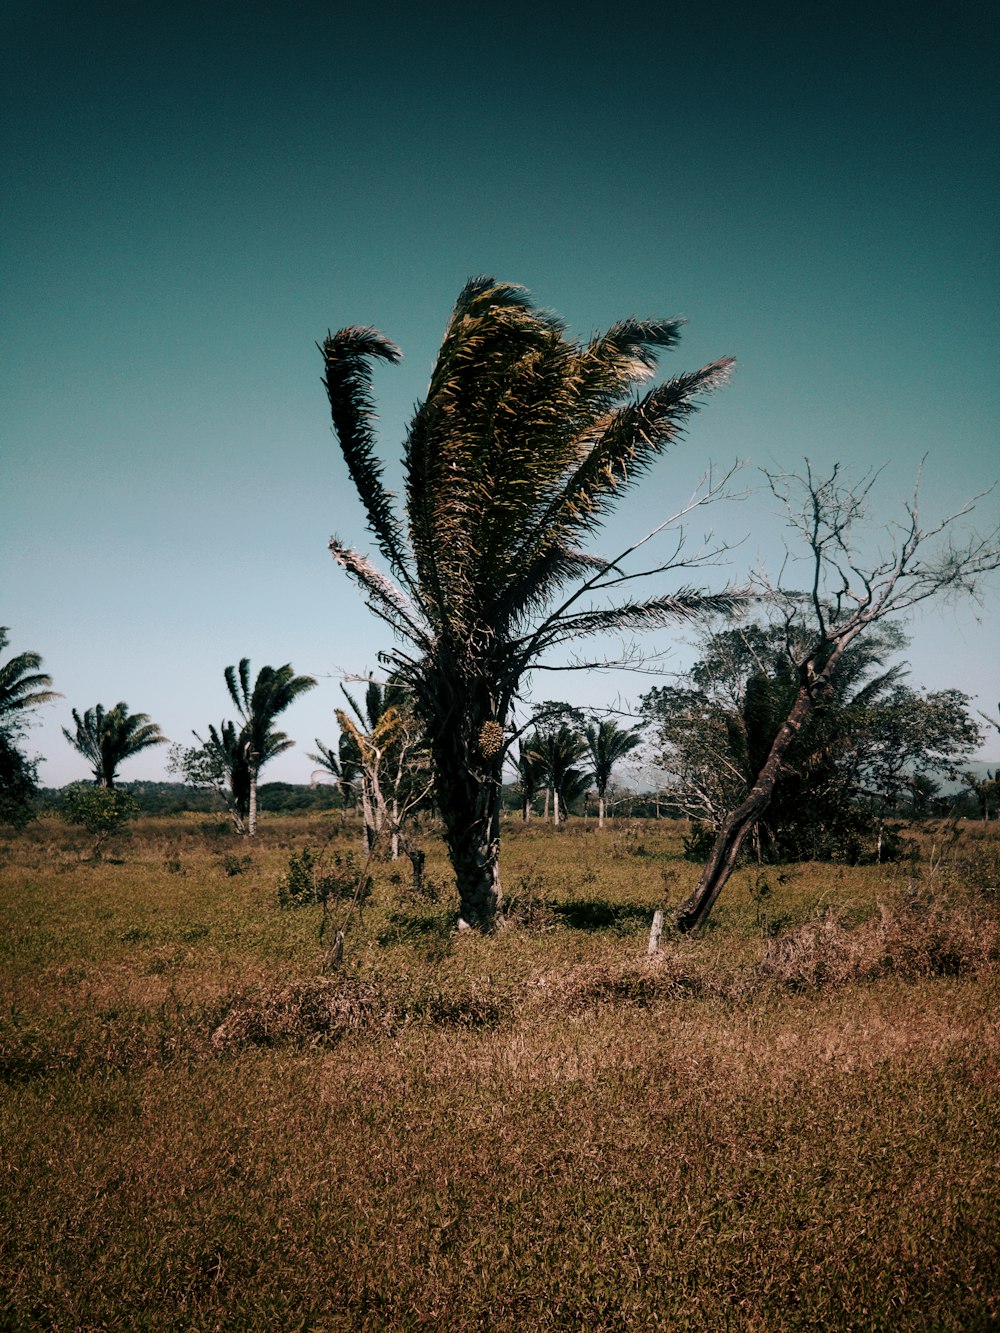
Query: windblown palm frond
[(620, 449), (347, 356), (385, 599), (687, 605)]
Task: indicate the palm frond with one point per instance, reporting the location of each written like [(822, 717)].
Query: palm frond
[(239, 693), (627, 444), (473, 461), (532, 588), (21, 686), (347, 356), (385, 597), (615, 360), (687, 605)]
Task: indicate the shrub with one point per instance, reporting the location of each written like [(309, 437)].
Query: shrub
[(911, 938), (105, 812), (307, 880)]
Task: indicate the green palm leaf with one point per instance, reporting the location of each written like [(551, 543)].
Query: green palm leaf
[(22, 686)]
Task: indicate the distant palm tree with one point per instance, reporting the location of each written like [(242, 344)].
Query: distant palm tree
[(607, 744), (392, 759), (531, 775), (344, 765), (524, 442), (107, 739), (228, 767), (247, 751), (557, 750), (22, 686)]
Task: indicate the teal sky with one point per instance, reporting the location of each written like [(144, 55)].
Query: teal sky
[(195, 194)]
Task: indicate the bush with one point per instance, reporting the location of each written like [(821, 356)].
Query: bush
[(915, 936), (103, 811), (18, 785), (308, 881)]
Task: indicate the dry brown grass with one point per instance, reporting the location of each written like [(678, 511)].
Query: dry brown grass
[(754, 1130)]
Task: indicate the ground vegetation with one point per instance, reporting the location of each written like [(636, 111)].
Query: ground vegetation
[(786, 1122)]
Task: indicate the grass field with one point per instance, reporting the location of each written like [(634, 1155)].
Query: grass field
[(788, 1123)]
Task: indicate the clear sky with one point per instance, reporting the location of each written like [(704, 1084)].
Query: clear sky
[(194, 194)]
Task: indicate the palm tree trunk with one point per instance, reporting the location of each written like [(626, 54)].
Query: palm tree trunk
[(471, 813), (468, 790), (600, 809), (252, 811), (734, 829)]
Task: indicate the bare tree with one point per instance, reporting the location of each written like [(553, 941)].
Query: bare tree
[(845, 598)]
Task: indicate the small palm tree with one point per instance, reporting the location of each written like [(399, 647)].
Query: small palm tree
[(256, 743), (22, 686), (107, 739), (557, 750), (607, 744), (523, 444), (344, 766), (392, 759), (531, 775), (229, 767)]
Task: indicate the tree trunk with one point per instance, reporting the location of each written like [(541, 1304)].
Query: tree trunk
[(694, 911), (252, 811), (600, 809), (367, 817), (555, 807), (470, 809), (468, 786)]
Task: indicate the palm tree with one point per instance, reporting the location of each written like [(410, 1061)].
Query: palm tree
[(344, 765), (557, 749), (228, 767), (107, 739), (392, 759), (531, 775), (607, 744), (257, 743), (22, 686), (524, 442)]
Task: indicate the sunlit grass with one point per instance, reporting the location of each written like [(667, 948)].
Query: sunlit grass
[(203, 1129)]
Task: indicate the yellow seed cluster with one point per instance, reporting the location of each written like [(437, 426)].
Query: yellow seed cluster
[(490, 739)]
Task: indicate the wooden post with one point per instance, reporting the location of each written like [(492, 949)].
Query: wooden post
[(655, 931)]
